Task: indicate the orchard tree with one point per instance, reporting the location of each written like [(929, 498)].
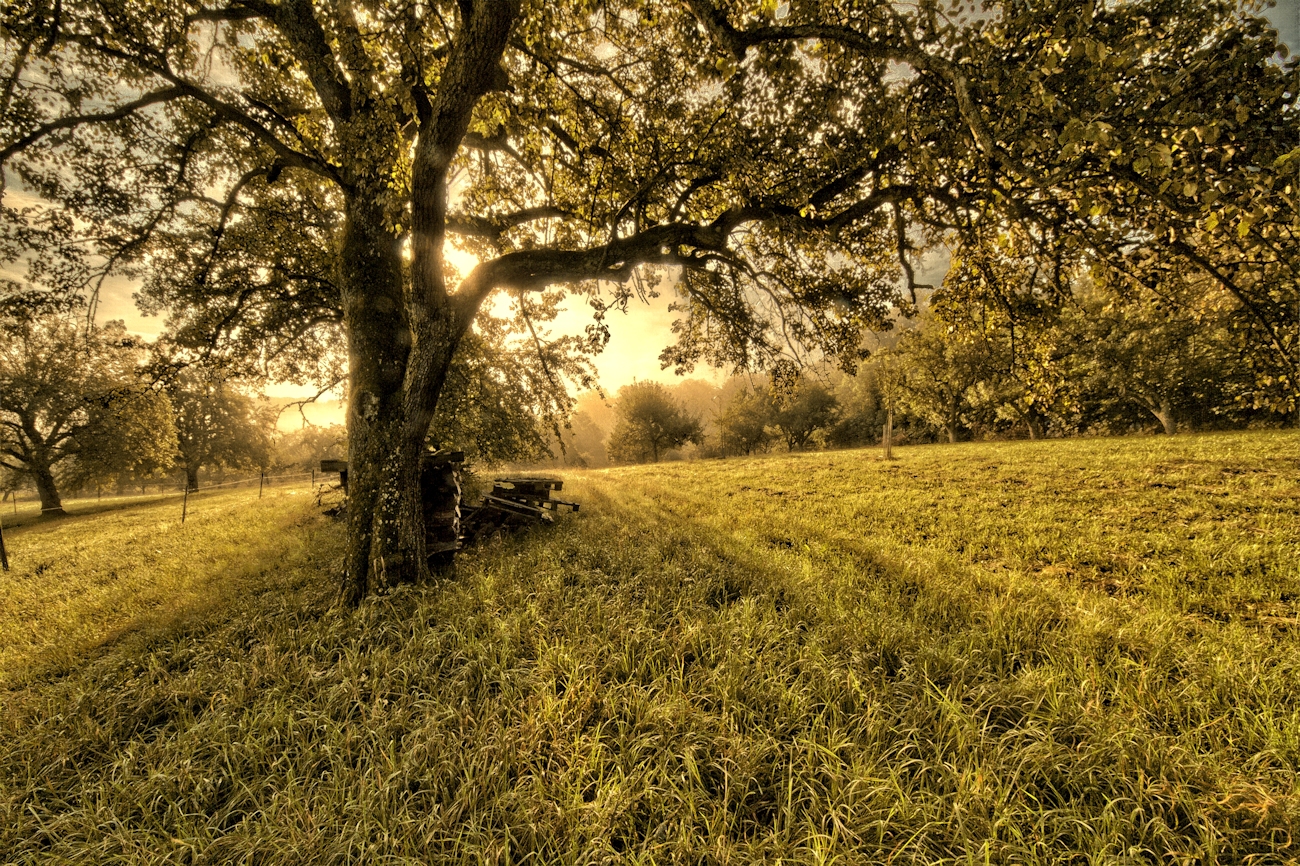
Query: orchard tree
[(71, 402), (798, 416), (1175, 357), (941, 367), (650, 424), (744, 427), (583, 443), (789, 169), (130, 433), (305, 448), (217, 425)]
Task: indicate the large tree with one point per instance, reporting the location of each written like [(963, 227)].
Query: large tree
[(790, 168)]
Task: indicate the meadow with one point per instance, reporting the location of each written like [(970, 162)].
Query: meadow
[(1043, 652)]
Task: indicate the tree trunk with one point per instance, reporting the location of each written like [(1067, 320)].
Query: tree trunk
[(1167, 418), (48, 491), (192, 477), (379, 344), (399, 351), (397, 373), (889, 434)]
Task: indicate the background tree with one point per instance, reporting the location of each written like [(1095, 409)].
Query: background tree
[(305, 448), (942, 366), (584, 443), (71, 394), (744, 427), (216, 425), (650, 423), (799, 416), (1174, 357), (130, 433)]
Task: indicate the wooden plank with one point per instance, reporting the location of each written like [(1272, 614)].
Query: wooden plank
[(530, 485), (515, 496), (334, 466), (512, 506), (518, 509)]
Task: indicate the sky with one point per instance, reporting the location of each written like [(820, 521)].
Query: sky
[(636, 338), (1286, 18)]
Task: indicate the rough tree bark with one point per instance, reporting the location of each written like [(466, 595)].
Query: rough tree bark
[(1165, 414), (51, 502), (400, 345)]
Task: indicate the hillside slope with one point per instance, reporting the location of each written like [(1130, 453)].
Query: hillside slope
[(1037, 653)]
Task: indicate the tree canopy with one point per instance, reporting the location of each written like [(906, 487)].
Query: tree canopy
[(287, 170), (651, 422), (72, 404)]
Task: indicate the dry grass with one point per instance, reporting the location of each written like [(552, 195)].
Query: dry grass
[(1064, 652)]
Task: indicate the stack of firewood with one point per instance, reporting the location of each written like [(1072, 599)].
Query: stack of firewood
[(449, 525), (513, 502), (440, 490)]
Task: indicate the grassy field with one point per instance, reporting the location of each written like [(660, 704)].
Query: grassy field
[(1051, 652)]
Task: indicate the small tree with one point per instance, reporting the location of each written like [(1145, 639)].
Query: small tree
[(650, 423), (799, 417), (942, 367), (218, 426), (743, 426)]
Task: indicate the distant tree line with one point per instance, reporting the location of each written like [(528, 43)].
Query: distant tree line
[(1104, 363)]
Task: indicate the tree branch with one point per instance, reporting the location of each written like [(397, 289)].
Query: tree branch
[(738, 42), (119, 113)]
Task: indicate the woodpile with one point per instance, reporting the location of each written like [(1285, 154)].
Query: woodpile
[(514, 502), (440, 490)]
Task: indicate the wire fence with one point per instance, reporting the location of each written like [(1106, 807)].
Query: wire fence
[(18, 510)]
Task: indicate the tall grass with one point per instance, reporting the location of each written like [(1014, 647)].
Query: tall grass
[(1079, 652)]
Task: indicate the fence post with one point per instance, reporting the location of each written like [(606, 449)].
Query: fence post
[(261, 479), (185, 502), (889, 435), (4, 557), (313, 478)]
